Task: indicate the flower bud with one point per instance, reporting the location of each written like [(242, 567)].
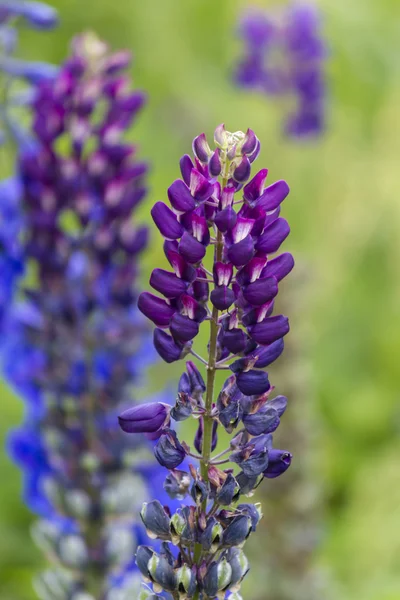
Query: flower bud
[(145, 418), (168, 450), (253, 383), (198, 440), (199, 491), (239, 565), (211, 537), (242, 171), (229, 491), (143, 556), (237, 531), (168, 348), (253, 511), (183, 407), (162, 574), (217, 577), (266, 420), (197, 385), (201, 148), (177, 526), (220, 136), (187, 583), (156, 520), (177, 484), (146, 594), (156, 309), (214, 164), (279, 462), (252, 457)]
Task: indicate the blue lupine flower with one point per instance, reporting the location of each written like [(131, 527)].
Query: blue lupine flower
[(37, 15), (285, 56), (76, 341)]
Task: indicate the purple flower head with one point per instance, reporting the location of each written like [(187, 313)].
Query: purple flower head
[(145, 418), (222, 232), (285, 56)]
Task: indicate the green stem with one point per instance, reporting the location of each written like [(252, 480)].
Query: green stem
[(211, 371)]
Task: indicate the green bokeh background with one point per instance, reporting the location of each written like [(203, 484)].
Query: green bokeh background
[(344, 209)]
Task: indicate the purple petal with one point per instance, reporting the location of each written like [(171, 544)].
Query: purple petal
[(270, 330), (235, 340), (242, 171), (255, 187), (223, 273), (186, 165), (226, 219), (273, 236), (191, 308), (250, 142), (180, 197), (279, 267), (222, 297), (201, 148), (166, 221), (254, 155), (200, 187), (253, 383), (261, 291), (273, 195), (156, 309), (239, 254), (166, 347), (279, 404), (278, 462), (145, 418), (191, 249), (168, 284), (214, 165), (182, 328), (252, 271), (182, 269), (201, 288)]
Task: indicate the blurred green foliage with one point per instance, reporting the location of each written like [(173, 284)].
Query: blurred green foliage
[(345, 214)]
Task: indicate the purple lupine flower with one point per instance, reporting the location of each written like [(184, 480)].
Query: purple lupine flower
[(216, 206), (285, 57), (40, 16), (76, 344), (37, 15)]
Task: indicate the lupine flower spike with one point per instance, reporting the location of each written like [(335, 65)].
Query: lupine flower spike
[(284, 57), (217, 207), (77, 343), (13, 104)]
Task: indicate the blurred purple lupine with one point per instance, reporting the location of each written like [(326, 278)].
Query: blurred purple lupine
[(284, 56), (38, 16), (215, 206), (76, 343)]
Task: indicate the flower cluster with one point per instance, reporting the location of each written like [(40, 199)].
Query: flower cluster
[(285, 57), (76, 341), (215, 205), (36, 15)]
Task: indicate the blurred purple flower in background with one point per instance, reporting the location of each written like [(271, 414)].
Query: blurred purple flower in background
[(284, 57), (18, 80), (76, 345)]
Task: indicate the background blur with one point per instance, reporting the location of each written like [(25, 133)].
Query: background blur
[(344, 210)]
